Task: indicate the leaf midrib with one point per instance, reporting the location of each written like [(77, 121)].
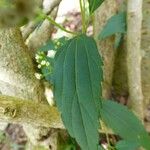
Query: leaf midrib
[(78, 94)]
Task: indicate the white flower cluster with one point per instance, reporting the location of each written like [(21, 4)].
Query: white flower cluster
[(51, 53), (38, 76), (40, 59)]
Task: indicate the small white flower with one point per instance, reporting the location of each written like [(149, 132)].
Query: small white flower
[(49, 96), (51, 53), (38, 76), (58, 43), (39, 66), (43, 62), (47, 63), (105, 146), (37, 56)]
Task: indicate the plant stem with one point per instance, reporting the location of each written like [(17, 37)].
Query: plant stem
[(59, 26), (103, 127), (56, 24), (82, 8)]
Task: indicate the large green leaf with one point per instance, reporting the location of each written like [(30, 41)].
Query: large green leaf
[(94, 4), (100, 148), (116, 24), (77, 89), (127, 145), (124, 123)]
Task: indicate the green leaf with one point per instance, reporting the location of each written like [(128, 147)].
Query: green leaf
[(77, 89), (127, 145), (118, 40), (94, 4), (144, 140), (116, 24), (47, 73), (49, 45), (100, 148), (53, 45), (124, 123)]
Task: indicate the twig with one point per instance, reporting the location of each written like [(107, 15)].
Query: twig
[(42, 33)]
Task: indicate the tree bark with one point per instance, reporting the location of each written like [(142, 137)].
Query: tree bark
[(20, 111), (134, 26), (16, 110), (16, 68), (41, 34), (145, 48), (106, 47), (17, 74)]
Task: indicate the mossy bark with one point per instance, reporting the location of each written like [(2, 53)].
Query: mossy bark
[(16, 68), (17, 77), (22, 111)]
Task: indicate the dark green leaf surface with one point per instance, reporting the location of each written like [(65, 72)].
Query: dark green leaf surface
[(124, 123), (78, 74), (116, 24), (100, 148), (94, 4), (127, 145)]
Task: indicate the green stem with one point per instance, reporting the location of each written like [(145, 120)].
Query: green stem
[(91, 17), (107, 135), (82, 8), (56, 24)]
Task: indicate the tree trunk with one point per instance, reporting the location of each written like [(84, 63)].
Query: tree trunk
[(145, 49), (134, 26), (17, 76), (16, 68)]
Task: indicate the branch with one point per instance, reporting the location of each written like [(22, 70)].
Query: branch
[(48, 9), (134, 23), (16, 110), (41, 34), (28, 29)]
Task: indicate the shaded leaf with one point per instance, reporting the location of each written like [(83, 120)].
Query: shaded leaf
[(94, 4), (118, 40), (47, 73), (124, 123), (116, 24), (77, 89)]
